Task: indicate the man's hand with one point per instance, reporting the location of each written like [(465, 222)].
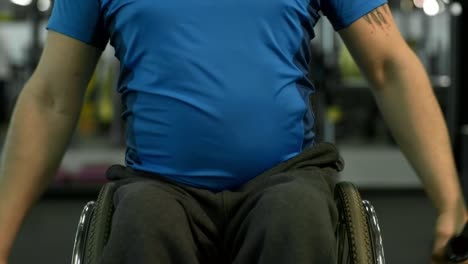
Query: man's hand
[(449, 223)]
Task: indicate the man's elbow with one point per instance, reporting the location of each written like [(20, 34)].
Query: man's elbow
[(52, 96), (390, 68)]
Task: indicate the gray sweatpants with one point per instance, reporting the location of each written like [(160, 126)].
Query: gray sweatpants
[(285, 215)]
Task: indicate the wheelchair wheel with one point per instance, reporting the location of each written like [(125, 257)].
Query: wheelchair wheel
[(82, 233), (100, 226), (94, 227), (354, 238)]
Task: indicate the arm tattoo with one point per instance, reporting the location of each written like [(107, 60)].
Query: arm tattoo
[(378, 17)]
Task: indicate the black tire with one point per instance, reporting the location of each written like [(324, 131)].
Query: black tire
[(353, 235), (100, 225)]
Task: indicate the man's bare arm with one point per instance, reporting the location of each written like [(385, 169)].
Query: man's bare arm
[(42, 125), (405, 97)]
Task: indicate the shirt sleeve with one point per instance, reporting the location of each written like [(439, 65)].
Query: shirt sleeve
[(343, 13), (81, 20)]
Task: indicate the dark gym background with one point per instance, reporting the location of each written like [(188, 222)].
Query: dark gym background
[(345, 112)]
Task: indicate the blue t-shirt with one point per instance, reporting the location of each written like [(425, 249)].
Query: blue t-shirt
[(215, 91)]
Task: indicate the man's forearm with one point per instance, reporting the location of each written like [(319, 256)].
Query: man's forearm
[(36, 141), (409, 106)]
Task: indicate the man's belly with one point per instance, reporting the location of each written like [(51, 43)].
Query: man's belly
[(213, 143)]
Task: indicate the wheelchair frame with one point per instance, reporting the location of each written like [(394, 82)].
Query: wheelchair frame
[(358, 234)]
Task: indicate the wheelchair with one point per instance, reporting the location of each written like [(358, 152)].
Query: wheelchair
[(357, 234)]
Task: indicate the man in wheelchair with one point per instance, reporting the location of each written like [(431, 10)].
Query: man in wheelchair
[(222, 165)]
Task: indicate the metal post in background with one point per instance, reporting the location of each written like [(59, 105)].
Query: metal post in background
[(453, 93), (35, 48), (459, 98), (464, 159), (463, 99)]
